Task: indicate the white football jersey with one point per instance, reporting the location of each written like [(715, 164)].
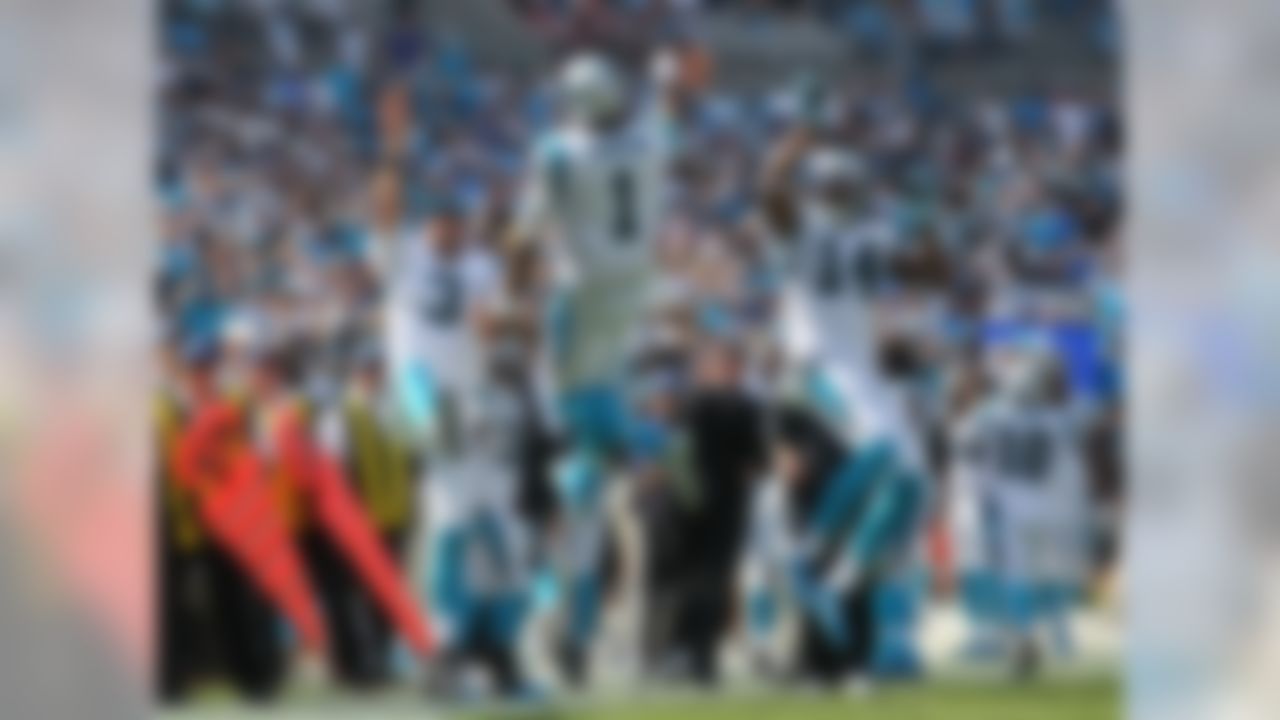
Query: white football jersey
[(1034, 465), (1032, 455), (836, 267), (431, 300), (602, 198), (479, 473), (969, 496), (602, 195)]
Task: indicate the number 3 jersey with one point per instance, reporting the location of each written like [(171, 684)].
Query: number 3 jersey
[(601, 197), (431, 298)]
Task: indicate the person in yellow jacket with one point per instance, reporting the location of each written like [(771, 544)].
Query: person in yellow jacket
[(365, 430), (183, 624)]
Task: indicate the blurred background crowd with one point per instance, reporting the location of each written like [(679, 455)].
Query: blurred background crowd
[(297, 139), (878, 30)]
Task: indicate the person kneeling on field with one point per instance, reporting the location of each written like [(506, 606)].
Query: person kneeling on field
[(832, 528)]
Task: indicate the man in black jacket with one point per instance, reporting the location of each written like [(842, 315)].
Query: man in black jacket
[(725, 427)]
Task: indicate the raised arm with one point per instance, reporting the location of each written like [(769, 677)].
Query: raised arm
[(778, 180), (532, 214)]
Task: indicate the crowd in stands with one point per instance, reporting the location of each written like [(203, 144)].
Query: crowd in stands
[(296, 140)]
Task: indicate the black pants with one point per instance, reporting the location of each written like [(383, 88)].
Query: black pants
[(383, 632), (186, 628), (692, 565), (826, 662), (250, 643), (361, 634), (701, 621), (664, 575), (351, 619)]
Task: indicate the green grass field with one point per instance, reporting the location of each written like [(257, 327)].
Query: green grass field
[(1076, 699)]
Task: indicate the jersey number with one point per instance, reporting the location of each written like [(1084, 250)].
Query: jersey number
[(830, 276), (835, 274), (445, 305), (623, 188), (1024, 453)]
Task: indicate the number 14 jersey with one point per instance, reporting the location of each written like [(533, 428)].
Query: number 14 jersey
[(837, 268)]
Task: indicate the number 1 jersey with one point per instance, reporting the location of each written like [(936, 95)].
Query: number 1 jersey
[(601, 197)]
